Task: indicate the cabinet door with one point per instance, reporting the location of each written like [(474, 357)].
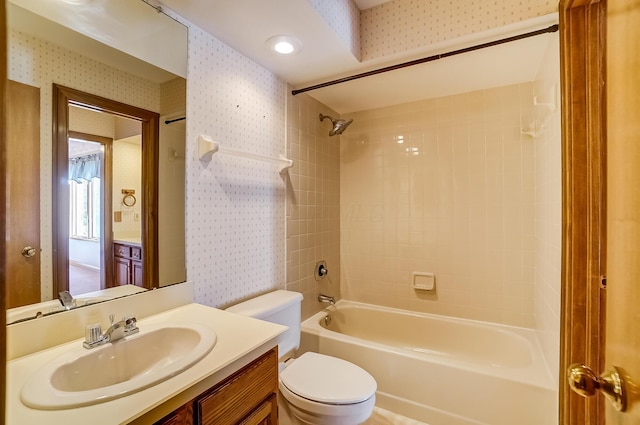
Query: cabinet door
[(121, 273), (136, 273)]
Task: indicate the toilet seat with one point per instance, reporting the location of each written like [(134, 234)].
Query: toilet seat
[(327, 380)]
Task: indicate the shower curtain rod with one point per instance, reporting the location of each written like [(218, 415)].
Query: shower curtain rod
[(552, 28), (175, 120)]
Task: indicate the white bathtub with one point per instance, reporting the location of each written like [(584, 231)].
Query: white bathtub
[(440, 370)]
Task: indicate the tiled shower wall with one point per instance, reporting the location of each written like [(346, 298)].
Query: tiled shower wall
[(445, 186), (313, 202), (548, 212)]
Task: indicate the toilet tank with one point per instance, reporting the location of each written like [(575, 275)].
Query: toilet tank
[(281, 307)]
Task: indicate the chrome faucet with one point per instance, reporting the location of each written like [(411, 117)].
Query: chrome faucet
[(326, 299), (94, 337), (66, 299)]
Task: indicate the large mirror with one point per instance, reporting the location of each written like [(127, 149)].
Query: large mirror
[(96, 191)]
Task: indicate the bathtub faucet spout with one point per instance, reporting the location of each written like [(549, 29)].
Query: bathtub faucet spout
[(326, 299)]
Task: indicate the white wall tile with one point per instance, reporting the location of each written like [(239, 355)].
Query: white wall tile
[(451, 201)]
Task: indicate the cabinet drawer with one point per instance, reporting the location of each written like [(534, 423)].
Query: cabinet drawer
[(239, 394), (121, 250), (136, 253), (265, 414)]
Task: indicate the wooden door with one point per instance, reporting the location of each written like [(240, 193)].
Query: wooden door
[(23, 194), (623, 202)]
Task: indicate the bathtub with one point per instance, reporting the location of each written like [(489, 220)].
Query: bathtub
[(440, 370)]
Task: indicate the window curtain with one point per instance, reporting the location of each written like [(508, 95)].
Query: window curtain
[(85, 168)]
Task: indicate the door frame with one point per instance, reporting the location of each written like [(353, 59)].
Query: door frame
[(3, 204), (106, 192), (582, 55), (150, 121)]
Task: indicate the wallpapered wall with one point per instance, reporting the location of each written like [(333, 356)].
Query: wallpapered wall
[(404, 25), (235, 234), (234, 206)]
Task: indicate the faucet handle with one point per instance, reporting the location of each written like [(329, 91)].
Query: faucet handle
[(130, 325), (93, 335)]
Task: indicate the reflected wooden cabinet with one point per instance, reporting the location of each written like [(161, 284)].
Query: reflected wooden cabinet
[(127, 264), (248, 397)]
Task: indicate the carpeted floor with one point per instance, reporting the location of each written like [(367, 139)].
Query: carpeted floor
[(83, 280)]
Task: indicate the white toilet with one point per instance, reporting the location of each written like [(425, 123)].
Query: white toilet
[(315, 389)]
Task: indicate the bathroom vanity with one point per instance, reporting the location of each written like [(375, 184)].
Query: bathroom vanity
[(127, 263), (248, 397), (236, 382)]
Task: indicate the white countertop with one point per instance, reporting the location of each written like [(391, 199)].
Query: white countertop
[(240, 340)]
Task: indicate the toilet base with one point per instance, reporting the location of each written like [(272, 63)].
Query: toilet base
[(289, 414)]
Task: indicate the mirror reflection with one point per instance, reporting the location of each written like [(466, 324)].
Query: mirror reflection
[(106, 203)]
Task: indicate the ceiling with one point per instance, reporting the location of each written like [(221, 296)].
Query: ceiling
[(246, 25), (325, 56), (120, 33)]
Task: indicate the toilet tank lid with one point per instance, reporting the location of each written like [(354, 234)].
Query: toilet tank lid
[(266, 304)]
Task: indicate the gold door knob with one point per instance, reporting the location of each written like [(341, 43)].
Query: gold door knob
[(28, 251), (583, 381)]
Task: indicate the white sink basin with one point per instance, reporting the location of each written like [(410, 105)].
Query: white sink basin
[(84, 377)]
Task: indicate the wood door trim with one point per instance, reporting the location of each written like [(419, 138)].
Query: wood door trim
[(582, 47), (106, 235), (3, 204), (62, 97)]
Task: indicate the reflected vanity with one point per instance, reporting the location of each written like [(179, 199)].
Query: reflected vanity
[(126, 65)]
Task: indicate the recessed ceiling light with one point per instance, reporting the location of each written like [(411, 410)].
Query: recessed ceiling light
[(284, 44)]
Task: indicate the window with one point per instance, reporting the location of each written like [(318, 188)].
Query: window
[(85, 209)]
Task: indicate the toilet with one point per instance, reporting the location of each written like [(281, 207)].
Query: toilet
[(314, 388)]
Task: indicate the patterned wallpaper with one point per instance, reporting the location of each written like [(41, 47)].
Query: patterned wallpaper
[(91, 122), (402, 25), (235, 206), (173, 97), (343, 16), (127, 174)]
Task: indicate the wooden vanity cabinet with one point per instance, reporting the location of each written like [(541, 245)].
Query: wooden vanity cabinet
[(248, 397), (127, 264)]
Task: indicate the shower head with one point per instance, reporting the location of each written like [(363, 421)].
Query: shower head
[(339, 126)]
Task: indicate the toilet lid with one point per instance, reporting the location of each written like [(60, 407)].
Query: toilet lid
[(327, 379)]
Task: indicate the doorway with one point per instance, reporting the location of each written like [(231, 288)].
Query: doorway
[(147, 124), (89, 210)]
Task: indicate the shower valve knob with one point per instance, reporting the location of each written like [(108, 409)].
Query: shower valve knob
[(320, 271)]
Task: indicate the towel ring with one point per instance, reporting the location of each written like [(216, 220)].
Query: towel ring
[(129, 200)]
